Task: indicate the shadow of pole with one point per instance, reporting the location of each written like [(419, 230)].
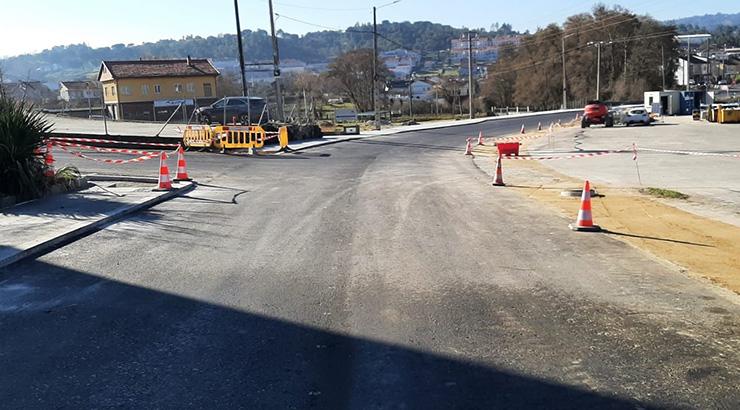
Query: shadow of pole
[(652, 238)]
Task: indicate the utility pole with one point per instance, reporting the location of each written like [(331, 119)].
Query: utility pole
[(598, 64), (471, 90), (276, 67), (662, 65), (565, 98), (565, 87), (375, 71), (411, 97), (241, 49), (598, 69), (687, 66)]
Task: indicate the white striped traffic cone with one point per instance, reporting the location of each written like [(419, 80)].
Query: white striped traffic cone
[(523, 129), (585, 221), (164, 175), (539, 126), (182, 173), (468, 148), (49, 162), (499, 179), (480, 138)]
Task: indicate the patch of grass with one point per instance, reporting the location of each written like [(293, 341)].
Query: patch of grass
[(664, 193)]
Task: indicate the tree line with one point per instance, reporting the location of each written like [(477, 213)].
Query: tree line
[(637, 53)]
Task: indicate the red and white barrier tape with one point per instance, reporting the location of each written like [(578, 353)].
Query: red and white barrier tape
[(99, 149), (111, 161), (102, 141), (668, 151), (590, 154)]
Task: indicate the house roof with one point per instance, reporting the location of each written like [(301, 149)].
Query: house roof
[(80, 85), (158, 68)]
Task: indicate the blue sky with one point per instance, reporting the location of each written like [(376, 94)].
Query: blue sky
[(28, 26)]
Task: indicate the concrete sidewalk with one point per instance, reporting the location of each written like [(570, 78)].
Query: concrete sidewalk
[(36, 227)]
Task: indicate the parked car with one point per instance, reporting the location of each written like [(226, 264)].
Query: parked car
[(247, 110), (637, 116)]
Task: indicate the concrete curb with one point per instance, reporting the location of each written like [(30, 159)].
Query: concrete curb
[(45, 247)]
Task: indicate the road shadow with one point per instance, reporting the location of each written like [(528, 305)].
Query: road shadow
[(652, 238), (73, 340)]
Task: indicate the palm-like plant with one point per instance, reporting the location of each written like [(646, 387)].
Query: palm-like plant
[(22, 132)]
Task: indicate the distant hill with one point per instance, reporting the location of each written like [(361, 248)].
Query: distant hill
[(709, 21), (75, 62)]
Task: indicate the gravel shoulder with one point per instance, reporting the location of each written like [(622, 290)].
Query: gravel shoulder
[(700, 245)]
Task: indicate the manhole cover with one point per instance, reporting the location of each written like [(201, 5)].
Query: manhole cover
[(576, 192)]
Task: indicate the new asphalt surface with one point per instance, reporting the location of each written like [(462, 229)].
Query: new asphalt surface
[(379, 273)]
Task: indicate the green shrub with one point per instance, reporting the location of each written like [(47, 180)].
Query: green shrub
[(22, 131)]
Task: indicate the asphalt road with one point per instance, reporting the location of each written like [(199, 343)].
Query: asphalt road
[(384, 273)]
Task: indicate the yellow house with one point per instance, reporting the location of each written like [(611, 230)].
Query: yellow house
[(154, 89)]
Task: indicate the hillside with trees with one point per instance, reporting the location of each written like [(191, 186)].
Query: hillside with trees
[(633, 50), (78, 61), (708, 22)]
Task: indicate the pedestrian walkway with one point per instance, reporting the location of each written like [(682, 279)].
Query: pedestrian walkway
[(35, 227)]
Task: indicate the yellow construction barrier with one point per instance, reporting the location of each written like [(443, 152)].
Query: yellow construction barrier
[(198, 137), (238, 137), (230, 137)]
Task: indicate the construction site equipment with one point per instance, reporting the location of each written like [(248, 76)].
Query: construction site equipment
[(596, 113), (508, 148), (230, 137)]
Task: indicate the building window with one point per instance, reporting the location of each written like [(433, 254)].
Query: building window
[(145, 89), (177, 87), (113, 90), (106, 91), (157, 89), (126, 90), (207, 91), (191, 87)]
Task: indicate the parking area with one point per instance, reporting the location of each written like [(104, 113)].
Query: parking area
[(711, 180)]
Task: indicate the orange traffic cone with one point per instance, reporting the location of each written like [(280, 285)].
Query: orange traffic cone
[(182, 173), (539, 126), (499, 179), (585, 220), (578, 117), (49, 160), (480, 138), (522, 128), (468, 148), (164, 174), (560, 123)]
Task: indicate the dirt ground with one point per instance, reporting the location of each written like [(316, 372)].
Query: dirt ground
[(699, 245)]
